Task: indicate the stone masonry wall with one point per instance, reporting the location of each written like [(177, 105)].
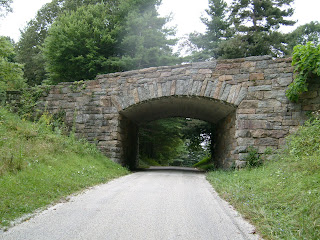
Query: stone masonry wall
[(247, 95)]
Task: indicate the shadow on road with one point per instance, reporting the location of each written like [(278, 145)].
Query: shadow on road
[(171, 168)]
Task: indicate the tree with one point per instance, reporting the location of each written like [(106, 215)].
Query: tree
[(145, 42), (175, 140), (309, 32), (10, 72), (80, 44), (32, 37), (217, 30), (5, 7), (150, 45), (250, 30), (161, 140), (29, 47)]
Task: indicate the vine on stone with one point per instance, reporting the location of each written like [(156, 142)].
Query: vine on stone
[(306, 60)]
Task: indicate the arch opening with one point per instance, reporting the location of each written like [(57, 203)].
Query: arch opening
[(213, 111), (178, 141), (203, 108)]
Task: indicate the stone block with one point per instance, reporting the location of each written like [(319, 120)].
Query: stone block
[(251, 124), (199, 77), (203, 87), (209, 65), (246, 111), (242, 95), (241, 77), (240, 164), (225, 77), (165, 74), (248, 64), (205, 71), (256, 76), (153, 75), (267, 141), (243, 133), (177, 71), (249, 104), (232, 93), (260, 88), (290, 123), (225, 92)]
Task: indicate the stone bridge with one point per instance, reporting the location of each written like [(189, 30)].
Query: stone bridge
[(244, 98)]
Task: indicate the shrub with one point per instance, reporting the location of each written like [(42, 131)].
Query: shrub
[(306, 60)]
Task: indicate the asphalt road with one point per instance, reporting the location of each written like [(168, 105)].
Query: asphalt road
[(153, 205)]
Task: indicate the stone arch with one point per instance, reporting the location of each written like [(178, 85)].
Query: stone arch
[(247, 94), (211, 110)]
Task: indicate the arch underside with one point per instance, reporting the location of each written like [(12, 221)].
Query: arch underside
[(203, 108)]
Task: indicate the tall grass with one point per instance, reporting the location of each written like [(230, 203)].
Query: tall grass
[(281, 198), (39, 166)]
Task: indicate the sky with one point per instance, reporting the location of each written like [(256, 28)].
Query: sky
[(186, 14)]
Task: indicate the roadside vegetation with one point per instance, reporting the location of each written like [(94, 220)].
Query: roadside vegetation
[(39, 166), (281, 197)]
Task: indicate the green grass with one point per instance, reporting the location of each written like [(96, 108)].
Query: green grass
[(281, 198), (39, 166)]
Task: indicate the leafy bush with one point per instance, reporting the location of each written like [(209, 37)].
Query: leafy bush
[(10, 72), (306, 141), (254, 158), (306, 60)]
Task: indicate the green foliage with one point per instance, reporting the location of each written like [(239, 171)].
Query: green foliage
[(29, 47), (217, 29), (5, 7), (309, 32), (246, 28), (145, 162), (205, 164), (306, 60), (306, 141), (175, 141), (10, 72), (145, 42), (160, 140), (28, 101), (281, 198), (253, 158), (88, 37), (39, 166), (79, 44), (78, 86)]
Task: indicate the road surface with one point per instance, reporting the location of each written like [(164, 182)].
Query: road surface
[(158, 204)]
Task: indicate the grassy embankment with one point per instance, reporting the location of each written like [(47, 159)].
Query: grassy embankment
[(39, 166), (282, 197)]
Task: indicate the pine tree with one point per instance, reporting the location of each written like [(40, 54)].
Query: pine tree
[(250, 29), (217, 30)]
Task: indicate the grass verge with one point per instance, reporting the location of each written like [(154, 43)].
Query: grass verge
[(39, 166), (281, 198)]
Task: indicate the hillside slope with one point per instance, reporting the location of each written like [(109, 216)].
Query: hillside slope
[(39, 166), (281, 198)]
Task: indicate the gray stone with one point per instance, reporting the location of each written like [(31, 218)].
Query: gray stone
[(244, 98)]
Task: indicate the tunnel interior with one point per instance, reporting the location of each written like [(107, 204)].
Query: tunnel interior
[(210, 110)]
